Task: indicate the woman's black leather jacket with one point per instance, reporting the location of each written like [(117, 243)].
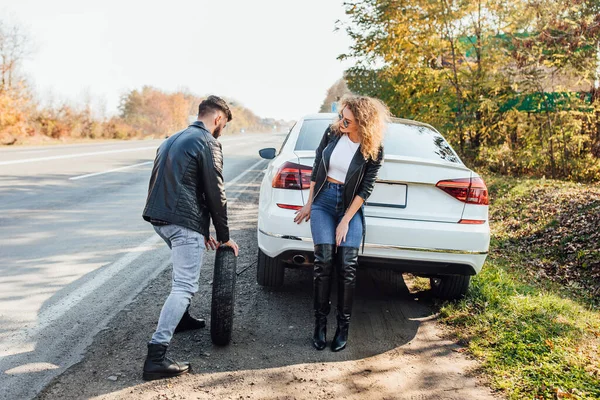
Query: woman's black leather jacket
[(361, 176)]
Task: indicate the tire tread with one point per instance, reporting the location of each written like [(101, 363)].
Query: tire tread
[(269, 271), (223, 296), (451, 287)]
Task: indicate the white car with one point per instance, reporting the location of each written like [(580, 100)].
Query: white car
[(427, 215)]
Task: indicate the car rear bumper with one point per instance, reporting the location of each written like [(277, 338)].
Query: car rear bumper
[(418, 260)]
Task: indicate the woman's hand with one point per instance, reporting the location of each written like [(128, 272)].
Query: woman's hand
[(341, 232), (303, 214)]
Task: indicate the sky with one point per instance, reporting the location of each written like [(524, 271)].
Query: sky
[(276, 57)]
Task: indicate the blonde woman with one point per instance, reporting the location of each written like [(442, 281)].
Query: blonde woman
[(346, 165)]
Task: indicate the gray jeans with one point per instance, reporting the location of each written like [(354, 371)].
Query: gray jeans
[(187, 250)]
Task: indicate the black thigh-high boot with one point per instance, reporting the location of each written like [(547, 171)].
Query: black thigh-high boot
[(346, 262), (322, 288)]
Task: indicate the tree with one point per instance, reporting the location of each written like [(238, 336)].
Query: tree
[(485, 72), (14, 47), (15, 99), (337, 90), (154, 112)]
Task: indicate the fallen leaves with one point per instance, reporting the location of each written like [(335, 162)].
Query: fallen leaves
[(554, 230)]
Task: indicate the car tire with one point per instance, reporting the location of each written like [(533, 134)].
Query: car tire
[(392, 280), (223, 296), (450, 287), (269, 270)]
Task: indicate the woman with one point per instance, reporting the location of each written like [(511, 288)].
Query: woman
[(343, 177)]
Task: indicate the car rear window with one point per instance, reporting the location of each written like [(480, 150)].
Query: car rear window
[(400, 140), (311, 133), (417, 141)]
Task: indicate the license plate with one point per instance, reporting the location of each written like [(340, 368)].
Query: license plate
[(388, 195)]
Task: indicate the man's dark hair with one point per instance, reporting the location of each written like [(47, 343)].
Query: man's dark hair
[(214, 103)]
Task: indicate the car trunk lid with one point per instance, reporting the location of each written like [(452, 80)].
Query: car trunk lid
[(406, 189)]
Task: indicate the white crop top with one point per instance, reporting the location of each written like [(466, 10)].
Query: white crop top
[(341, 157)]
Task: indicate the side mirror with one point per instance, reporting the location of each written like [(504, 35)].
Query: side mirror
[(268, 154)]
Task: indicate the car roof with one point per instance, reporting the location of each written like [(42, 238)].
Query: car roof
[(393, 119)]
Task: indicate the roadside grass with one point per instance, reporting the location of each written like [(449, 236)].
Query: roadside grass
[(533, 314), (416, 284)]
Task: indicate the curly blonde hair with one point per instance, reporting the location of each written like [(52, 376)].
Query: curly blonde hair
[(372, 116)]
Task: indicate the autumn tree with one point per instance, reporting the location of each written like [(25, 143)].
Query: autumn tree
[(478, 70), (15, 99), (144, 112), (14, 47), (555, 65), (337, 90), (154, 112)]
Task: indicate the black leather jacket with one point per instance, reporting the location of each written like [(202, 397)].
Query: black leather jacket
[(361, 176), (186, 186)]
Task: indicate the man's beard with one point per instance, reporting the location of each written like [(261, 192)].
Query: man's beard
[(217, 132)]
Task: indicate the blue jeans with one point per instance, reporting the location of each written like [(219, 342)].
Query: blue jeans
[(187, 249), (326, 213)]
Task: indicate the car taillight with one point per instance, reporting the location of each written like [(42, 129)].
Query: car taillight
[(472, 221), (469, 190), (288, 206), (292, 176)]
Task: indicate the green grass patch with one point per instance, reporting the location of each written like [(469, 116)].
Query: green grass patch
[(416, 284), (532, 314)]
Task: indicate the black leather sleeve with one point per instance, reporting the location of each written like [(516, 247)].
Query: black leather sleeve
[(319, 154), (368, 181), (214, 188)]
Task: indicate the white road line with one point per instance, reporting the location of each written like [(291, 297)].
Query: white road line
[(52, 313), (32, 151), (57, 310), (240, 176), (74, 297), (74, 178), (64, 156)]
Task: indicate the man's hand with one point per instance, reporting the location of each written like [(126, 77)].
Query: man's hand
[(234, 245), (211, 243)]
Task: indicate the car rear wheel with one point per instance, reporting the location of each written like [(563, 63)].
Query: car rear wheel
[(389, 279), (269, 270), (450, 287)]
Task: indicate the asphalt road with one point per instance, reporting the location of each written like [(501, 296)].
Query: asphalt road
[(74, 250), (396, 349)]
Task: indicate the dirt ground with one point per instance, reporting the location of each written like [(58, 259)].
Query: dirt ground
[(396, 350)]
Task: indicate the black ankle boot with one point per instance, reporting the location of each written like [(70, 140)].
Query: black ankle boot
[(189, 323), (322, 289), (158, 366), (346, 262)]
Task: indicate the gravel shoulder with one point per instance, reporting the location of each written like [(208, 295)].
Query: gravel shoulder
[(396, 349)]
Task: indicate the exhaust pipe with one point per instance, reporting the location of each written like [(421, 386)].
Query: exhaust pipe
[(299, 259)]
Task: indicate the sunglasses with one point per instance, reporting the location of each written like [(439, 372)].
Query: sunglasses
[(345, 121)]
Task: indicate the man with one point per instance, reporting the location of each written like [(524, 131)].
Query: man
[(186, 191)]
